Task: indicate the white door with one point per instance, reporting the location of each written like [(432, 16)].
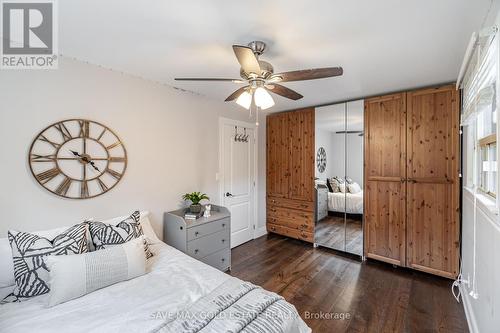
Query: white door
[(238, 178)]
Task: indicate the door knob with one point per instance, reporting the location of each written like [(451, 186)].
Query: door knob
[(228, 194)]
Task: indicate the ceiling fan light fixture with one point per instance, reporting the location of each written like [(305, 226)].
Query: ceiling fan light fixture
[(244, 100), (263, 98)]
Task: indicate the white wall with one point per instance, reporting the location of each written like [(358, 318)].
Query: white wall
[(483, 313), (323, 139), (355, 157), (335, 147), (171, 139), (337, 155), (331, 119)]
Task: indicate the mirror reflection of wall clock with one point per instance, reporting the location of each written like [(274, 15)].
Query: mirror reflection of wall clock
[(77, 159), (321, 160)]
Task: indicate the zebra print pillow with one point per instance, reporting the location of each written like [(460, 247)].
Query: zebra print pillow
[(29, 252), (104, 234)]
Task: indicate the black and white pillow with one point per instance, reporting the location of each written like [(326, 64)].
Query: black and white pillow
[(104, 234), (334, 184), (29, 252)]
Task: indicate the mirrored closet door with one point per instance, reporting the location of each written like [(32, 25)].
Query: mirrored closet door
[(339, 176)]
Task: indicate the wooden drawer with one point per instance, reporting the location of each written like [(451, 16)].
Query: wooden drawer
[(220, 259), (207, 245), (296, 219), (290, 232), (289, 203), (207, 229)]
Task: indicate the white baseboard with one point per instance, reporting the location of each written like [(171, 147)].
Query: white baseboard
[(260, 232), (469, 314)]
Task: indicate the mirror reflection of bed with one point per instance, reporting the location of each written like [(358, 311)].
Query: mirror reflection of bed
[(339, 177)]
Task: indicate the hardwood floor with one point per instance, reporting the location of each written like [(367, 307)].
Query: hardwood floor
[(330, 233), (370, 296)]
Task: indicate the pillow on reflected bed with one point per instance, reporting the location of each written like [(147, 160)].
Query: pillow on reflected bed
[(73, 276), (354, 188)]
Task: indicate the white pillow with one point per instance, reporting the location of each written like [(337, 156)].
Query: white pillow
[(73, 276), (354, 188)]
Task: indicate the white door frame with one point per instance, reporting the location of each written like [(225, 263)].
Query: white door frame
[(227, 121)]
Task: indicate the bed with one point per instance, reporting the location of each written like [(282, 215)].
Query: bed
[(173, 283), (345, 202)]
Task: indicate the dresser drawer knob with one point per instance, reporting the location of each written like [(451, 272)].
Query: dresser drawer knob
[(223, 240), (223, 225), (196, 251), (223, 259), (196, 233)]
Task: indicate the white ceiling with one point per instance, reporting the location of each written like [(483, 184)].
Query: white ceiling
[(383, 45)]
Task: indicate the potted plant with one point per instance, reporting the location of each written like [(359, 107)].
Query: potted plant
[(195, 199)]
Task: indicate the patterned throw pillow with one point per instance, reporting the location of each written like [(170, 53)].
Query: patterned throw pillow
[(349, 180), (104, 234), (340, 180), (334, 184), (29, 252)]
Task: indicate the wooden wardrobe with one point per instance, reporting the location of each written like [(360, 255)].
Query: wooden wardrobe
[(290, 174), (412, 180)]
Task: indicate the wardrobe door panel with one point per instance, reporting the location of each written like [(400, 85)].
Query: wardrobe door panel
[(385, 172), (384, 221), (385, 123), (430, 224), (433, 183), (301, 135), (278, 155)]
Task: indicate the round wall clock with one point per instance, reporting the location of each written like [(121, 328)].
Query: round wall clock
[(321, 159), (77, 158)]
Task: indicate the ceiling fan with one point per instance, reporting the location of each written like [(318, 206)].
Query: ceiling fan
[(259, 77)]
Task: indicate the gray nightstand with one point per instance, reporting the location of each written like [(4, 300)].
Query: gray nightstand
[(321, 202), (207, 239)]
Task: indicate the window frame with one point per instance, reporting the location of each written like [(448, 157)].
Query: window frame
[(486, 143)]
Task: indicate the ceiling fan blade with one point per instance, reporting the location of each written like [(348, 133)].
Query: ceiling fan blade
[(307, 74), (247, 59), (236, 94), (208, 79), (284, 91)]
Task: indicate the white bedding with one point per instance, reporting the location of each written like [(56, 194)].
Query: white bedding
[(345, 202), (174, 281)]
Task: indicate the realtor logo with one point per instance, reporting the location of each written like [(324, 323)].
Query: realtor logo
[(29, 35)]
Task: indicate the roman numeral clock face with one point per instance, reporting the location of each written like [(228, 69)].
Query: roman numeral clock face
[(77, 159)]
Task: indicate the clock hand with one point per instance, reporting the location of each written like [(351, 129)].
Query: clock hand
[(75, 153), (93, 165), (85, 159)]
